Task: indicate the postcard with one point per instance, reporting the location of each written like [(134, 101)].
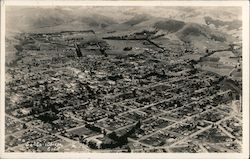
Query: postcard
[(124, 79)]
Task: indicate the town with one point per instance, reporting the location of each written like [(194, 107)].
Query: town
[(86, 91)]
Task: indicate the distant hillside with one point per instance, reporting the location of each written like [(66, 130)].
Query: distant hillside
[(169, 25), (32, 18), (46, 19), (192, 25), (26, 18), (137, 19), (203, 37), (96, 20), (183, 30), (230, 25), (192, 29)]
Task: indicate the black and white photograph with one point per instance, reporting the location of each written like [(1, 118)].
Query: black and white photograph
[(124, 79)]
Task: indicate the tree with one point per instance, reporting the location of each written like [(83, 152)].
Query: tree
[(138, 124), (129, 149), (25, 126), (113, 136), (104, 132), (207, 51), (134, 92)]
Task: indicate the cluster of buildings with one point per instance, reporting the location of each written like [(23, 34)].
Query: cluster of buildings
[(109, 103)]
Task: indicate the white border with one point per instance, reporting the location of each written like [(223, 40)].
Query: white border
[(245, 54), (2, 81), (245, 77), (123, 3)]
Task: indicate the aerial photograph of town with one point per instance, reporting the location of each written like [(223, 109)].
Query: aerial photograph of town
[(123, 79)]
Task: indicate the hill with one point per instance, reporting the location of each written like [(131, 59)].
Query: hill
[(137, 19), (230, 25), (169, 25), (53, 19)]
